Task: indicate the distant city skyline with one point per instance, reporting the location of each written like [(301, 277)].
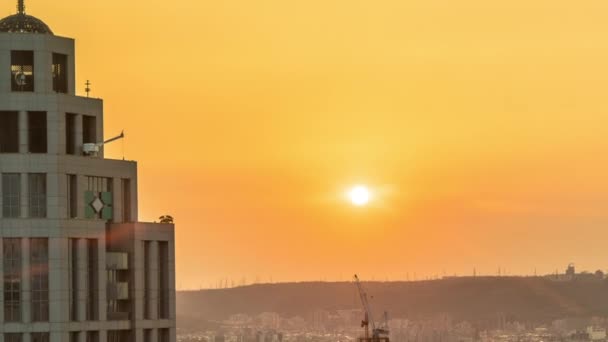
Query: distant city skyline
[(479, 127)]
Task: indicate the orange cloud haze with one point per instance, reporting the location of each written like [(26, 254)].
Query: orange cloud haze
[(481, 126)]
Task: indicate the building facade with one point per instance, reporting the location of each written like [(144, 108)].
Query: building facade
[(76, 264)]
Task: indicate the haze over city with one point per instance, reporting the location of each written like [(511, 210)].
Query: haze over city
[(477, 127)]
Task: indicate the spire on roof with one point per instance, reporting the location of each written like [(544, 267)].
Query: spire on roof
[(21, 6)]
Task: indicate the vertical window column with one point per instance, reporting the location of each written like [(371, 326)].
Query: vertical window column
[(39, 258), (146, 285), (60, 73), (82, 279), (24, 133), (2, 280), (11, 195), (72, 196), (78, 135), (126, 200), (37, 195), (92, 307), (163, 280), (26, 285), (37, 131), (70, 133), (73, 278), (9, 132), (11, 256), (25, 203), (153, 281)]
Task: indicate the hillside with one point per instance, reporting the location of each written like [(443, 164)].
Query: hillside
[(473, 299)]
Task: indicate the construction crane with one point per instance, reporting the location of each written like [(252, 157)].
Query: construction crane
[(377, 333), (91, 149)]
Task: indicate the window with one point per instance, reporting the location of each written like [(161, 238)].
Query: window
[(40, 337), (99, 198), (11, 195), (163, 280), (163, 335), (12, 279), (147, 335), (89, 129), (92, 269), (146, 271), (37, 194), (39, 259), (73, 281), (9, 132), (118, 336), (72, 194), (36, 125), (92, 336), (22, 70), (74, 336), (126, 200), (70, 133), (60, 73), (13, 337)]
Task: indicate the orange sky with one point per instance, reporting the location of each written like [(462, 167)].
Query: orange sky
[(480, 125)]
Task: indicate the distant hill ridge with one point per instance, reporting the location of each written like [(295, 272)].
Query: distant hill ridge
[(465, 298)]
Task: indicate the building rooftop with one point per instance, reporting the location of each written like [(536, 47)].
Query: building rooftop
[(23, 23)]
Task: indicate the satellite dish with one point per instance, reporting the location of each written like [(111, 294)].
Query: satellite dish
[(20, 79)]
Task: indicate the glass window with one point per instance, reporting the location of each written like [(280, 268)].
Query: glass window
[(11, 195), (60, 73), (12, 279), (98, 197), (146, 272), (89, 129), (92, 336), (118, 336), (73, 277), (163, 335), (147, 335), (22, 70), (9, 132), (37, 194), (72, 196), (40, 337), (126, 200), (13, 337), (36, 125), (39, 259), (70, 133), (163, 279), (92, 270)]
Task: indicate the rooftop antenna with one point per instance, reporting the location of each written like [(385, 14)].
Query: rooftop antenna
[(21, 6), (88, 84)]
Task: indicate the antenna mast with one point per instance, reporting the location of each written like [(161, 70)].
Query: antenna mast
[(21, 6)]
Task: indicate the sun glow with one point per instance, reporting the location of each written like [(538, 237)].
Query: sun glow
[(359, 195)]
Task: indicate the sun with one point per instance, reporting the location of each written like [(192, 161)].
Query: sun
[(359, 195)]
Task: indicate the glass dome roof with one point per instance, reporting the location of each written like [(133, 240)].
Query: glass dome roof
[(23, 23)]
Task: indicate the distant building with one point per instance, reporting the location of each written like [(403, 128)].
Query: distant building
[(77, 265), (596, 333), (570, 271)]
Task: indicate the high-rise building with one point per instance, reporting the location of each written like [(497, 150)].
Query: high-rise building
[(76, 263)]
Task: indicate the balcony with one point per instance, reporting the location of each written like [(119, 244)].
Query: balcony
[(118, 291), (117, 261)]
